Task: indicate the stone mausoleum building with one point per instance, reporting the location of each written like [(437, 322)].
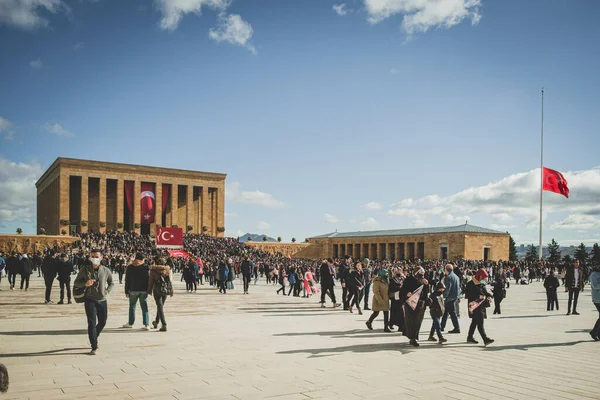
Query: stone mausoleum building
[(75, 196), (451, 243)]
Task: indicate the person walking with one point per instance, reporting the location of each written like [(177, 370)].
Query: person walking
[(573, 284), (595, 284), (26, 270), (281, 278), (451, 297), (413, 294), (223, 274), (247, 269), (478, 299), (436, 305), (12, 266), (49, 270), (160, 286), (366, 264), (343, 273), (381, 301), (2, 265), (98, 283), (327, 275), (551, 283), (499, 289), (136, 288), (355, 284), (64, 270), (396, 312)]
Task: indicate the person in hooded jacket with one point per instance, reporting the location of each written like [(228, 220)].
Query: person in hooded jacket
[(479, 297), (413, 317), (26, 270), (161, 277), (381, 301), (436, 305), (223, 274), (64, 270)]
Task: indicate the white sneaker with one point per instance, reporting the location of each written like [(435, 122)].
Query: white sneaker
[(146, 328), (127, 326)]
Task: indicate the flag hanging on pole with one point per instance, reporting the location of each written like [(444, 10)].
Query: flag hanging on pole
[(554, 181)]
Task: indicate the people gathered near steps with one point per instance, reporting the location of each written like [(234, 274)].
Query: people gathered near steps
[(401, 290)]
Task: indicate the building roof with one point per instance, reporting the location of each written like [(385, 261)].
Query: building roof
[(465, 228)]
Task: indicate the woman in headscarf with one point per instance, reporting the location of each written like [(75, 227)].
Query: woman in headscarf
[(413, 294), (396, 313), (381, 301), (478, 298)]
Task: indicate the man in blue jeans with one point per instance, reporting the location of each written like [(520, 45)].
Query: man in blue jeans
[(97, 279), (136, 288), (451, 296)]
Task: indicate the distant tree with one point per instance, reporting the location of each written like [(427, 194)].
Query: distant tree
[(596, 254), (553, 252), (532, 254), (264, 238), (19, 231), (279, 239), (567, 259), (42, 231), (512, 249), (581, 254), (249, 239), (306, 240), (293, 240)]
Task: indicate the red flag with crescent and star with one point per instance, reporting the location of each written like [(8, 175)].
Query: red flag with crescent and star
[(555, 182), (148, 200), (169, 237)]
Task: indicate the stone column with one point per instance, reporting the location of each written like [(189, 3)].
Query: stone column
[(84, 203), (120, 203), (205, 210), (174, 204), (220, 209), (189, 206), (102, 205), (137, 204), (63, 201), (158, 207)]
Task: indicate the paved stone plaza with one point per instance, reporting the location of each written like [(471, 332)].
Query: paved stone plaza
[(267, 346)]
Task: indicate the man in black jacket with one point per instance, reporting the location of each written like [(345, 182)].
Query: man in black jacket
[(12, 266), (574, 280), (327, 278), (247, 269), (64, 270), (136, 287), (26, 270), (551, 283), (343, 273), (49, 270)]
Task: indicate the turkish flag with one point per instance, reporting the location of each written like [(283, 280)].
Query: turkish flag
[(148, 200), (555, 182), (179, 253), (169, 237)]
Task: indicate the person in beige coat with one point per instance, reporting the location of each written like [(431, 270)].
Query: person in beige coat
[(381, 301)]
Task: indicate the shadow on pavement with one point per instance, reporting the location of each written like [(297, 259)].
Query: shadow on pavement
[(58, 352), (529, 316), (68, 332)]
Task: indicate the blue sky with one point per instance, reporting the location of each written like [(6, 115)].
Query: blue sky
[(355, 115)]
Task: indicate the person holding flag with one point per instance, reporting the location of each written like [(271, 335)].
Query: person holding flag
[(413, 294), (478, 300)]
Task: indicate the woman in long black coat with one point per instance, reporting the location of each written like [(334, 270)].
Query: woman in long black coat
[(499, 290), (396, 313), (413, 318)]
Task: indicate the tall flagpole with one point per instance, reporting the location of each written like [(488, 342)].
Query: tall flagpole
[(541, 175)]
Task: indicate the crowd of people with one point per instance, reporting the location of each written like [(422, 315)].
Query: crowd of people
[(401, 290)]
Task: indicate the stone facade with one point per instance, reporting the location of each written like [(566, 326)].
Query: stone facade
[(75, 196), (34, 243), (451, 246)]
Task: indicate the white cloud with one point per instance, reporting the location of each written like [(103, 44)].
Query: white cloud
[(173, 10), (372, 206), (36, 64), (330, 219), (422, 15), (78, 46), (17, 190), (263, 226), (233, 29), (340, 9), (26, 14), (234, 234), (6, 129), (449, 218), (370, 222), (404, 203), (231, 215), (578, 221), (502, 227), (501, 217), (57, 129), (236, 194)]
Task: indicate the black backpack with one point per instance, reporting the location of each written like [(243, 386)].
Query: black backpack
[(164, 285)]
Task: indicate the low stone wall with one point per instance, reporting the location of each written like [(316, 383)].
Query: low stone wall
[(33, 243), (287, 249)]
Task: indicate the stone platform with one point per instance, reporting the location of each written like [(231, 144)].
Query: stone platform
[(261, 346)]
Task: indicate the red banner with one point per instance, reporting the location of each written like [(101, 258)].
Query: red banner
[(179, 253), (169, 237), (148, 201), (555, 182)]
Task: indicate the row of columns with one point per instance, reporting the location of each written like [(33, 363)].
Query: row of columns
[(210, 214), (399, 251)]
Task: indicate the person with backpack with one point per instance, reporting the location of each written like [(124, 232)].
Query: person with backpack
[(136, 287), (160, 286), (92, 285)]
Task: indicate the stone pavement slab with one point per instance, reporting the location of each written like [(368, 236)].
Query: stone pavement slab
[(268, 346)]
